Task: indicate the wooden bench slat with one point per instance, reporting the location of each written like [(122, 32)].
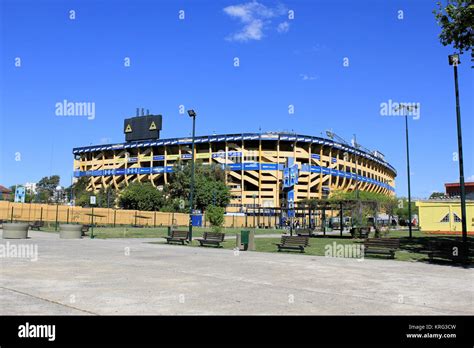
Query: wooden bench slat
[(382, 246), (212, 238), (177, 236), (293, 243)]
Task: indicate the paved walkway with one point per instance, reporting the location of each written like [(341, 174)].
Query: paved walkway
[(132, 276)]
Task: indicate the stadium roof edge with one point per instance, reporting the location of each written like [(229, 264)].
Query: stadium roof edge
[(231, 137)]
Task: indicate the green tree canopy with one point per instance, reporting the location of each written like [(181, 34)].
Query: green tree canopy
[(210, 187), (46, 188), (363, 196), (402, 209), (215, 216), (141, 196), (456, 20), (436, 195)]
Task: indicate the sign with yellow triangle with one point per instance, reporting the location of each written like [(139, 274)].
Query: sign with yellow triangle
[(128, 129), (152, 126)]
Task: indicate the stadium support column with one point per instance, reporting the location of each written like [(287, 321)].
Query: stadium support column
[(454, 61), (341, 218), (192, 114), (290, 179)]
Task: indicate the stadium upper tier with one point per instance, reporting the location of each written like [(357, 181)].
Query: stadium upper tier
[(254, 164)]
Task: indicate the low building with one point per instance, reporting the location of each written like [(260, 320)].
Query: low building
[(454, 189), (5, 193), (444, 216)]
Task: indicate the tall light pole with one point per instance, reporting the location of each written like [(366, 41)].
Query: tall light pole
[(407, 108), (254, 196), (58, 191), (192, 114), (455, 61)]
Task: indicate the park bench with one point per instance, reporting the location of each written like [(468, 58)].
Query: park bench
[(85, 229), (360, 232), (211, 238), (449, 249), (304, 232), (177, 236), (381, 246), (293, 243), (36, 225)]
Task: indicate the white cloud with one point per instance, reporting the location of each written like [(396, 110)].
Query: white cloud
[(470, 178), (283, 27), (255, 18), (306, 77), (105, 140)]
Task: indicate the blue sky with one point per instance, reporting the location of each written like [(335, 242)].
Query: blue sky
[(190, 62)]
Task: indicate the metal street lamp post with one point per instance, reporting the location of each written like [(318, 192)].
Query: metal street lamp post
[(408, 108), (254, 196), (455, 61), (58, 191), (408, 176), (192, 114)]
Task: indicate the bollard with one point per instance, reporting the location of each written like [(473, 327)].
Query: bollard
[(251, 245), (238, 241)]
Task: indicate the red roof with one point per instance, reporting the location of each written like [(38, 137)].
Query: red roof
[(456, 184), (3, 189)]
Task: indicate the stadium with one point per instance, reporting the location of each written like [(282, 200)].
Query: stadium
[(262, 169)]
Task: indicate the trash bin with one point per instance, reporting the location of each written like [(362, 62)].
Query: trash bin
[(196, 220), (244, 236), (246, 241)]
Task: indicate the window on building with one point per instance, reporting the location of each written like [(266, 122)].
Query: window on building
[(456, 218), (445, 219)]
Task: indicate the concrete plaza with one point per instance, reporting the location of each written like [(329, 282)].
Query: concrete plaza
[(135, 277)]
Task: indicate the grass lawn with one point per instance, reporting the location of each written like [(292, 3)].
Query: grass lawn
[(410, 249), (133, 232), (317, 247)]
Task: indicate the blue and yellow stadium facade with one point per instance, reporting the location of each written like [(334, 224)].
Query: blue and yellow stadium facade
[(267, 169)]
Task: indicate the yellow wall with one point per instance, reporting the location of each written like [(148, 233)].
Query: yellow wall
[(105, 216), (432, 212)]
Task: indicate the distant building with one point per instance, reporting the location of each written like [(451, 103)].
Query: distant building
[(30, 187), (5, 193), (443, 214), (454, 190), (274, 169)]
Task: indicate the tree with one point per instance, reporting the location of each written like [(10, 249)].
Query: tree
[(456, 20), (46, 188), (435, 195), (402, 210), (209, 189), (105, 198), (391, 206), (141, 196), (215, 216), (363, 196)]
